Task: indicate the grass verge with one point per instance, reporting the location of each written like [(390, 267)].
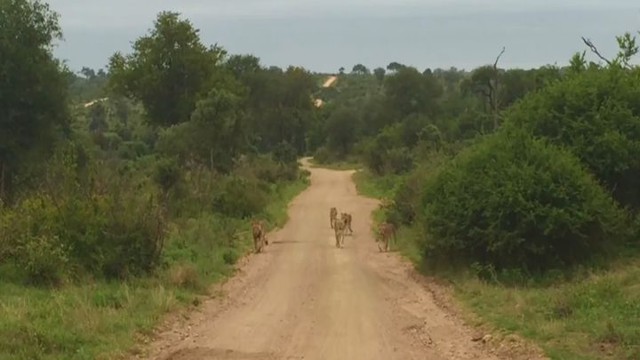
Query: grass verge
[(595, 315), (372, 186), (101, 320)]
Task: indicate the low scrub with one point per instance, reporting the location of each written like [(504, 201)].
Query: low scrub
[(386, 154), (596, 115), (407, 196), (97, 319), (513, 201), (592, 315), (97, 223)]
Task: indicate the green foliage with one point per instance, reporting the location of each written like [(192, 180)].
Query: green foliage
[(593, 313), (512, 201), (44, 259), (102, 225), (202, 249), (284, 153), (360, 69), (213, 136), (408, 91), (341, 130), (324, 156), (28, 71), (167, 174), (379, 74), (407, 197), (279, 107), (385, 154), (240, 197), (167, 71), (90, 86), (596, 115)]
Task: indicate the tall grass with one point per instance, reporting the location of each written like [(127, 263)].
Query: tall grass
[(99, 319)]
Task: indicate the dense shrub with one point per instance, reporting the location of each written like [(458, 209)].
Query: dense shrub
[(596, 115), (265, 168), (285, 153), (323, 155), (203, 248), (386, 153), (199, 190), (240, 197), (106, 225), (512, 201), (408, 193)]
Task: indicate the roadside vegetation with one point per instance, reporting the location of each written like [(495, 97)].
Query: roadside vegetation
[(121, 201)]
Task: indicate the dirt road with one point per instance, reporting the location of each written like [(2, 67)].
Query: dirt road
[(330, 80), (305, 299)]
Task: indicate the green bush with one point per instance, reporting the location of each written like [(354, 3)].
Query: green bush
[(44, 259), (132, 149), (285, 153), (324, 156), (265, 168), (210, 242), (408, 193), (512, 201), (167, 174), (386, 153), (240, 197), (106, 224), (596, 115)]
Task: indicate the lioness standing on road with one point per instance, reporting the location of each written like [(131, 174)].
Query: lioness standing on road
[(346, 218), (386, 231), (338, 228), (259, 235), (333, 215)]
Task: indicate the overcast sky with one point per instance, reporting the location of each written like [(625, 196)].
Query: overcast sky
[(325, 35)]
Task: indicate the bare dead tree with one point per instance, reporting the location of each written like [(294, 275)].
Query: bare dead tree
[(495, 64), (594, 50), (495, 103)]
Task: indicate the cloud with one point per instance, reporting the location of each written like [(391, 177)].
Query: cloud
[(138, 13)]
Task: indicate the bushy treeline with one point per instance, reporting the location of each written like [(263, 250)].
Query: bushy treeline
[(182, 146), (503, 169)]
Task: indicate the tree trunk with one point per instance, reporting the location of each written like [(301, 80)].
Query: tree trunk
[(211, 159), (2, 185), (6, 183)]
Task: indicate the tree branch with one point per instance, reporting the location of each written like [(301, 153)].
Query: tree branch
[(594, 49), (494, 96), (495, 64)]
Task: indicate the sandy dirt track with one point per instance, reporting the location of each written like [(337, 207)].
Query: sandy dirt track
[(330, 80), (305, 299)]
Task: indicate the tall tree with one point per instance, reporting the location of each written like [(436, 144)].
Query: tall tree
[(395, 66), (33, 89), (360, 69), (214, 136), (485, 81), (243, 65), (341, 130), (379, 73), (408, 92), (167, 71)]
